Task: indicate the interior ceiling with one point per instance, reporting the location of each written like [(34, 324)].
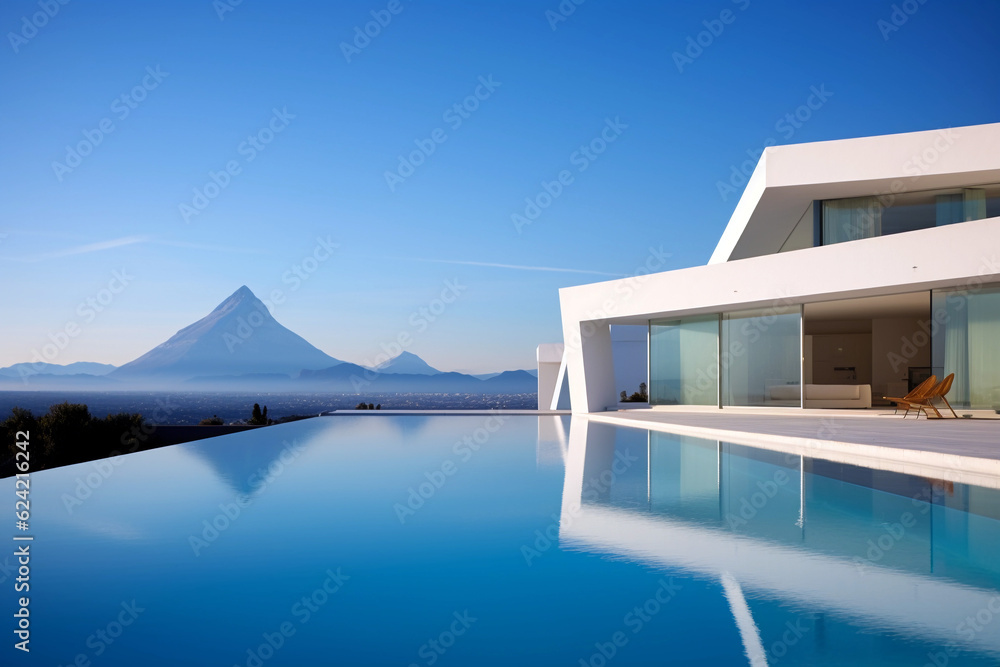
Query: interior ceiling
[(915, 304)]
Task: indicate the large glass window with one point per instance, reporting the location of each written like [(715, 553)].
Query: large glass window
[(966, 334), (894, 213), (762, 357), (684, 361)]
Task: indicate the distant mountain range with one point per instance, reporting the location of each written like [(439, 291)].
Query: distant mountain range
[(28, 369), (239, 346)]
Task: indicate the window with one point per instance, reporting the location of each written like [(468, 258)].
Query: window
[(684, 361), (867, 217), (965, 335), (762, 357)]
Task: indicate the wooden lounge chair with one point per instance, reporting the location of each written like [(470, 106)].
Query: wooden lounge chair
[(916, 394), (939, 391)]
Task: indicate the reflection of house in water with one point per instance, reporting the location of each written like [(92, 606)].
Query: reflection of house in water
[(553, 439), (845, 545)]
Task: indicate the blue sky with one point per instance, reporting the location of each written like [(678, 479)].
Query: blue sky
[(197, 87)]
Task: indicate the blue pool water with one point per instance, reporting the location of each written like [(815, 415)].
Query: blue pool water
[(461, 540)]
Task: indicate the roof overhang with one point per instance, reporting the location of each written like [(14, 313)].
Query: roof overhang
[(788, 179)]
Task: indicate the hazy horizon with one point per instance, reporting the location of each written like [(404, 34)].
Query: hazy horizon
[(379, 362), (440, 177)]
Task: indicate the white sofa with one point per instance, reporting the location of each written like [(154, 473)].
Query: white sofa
[(858, 396)]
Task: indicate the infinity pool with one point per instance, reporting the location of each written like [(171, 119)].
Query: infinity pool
[(516, 540)]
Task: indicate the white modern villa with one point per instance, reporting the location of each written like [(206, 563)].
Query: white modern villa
[(849, 271)]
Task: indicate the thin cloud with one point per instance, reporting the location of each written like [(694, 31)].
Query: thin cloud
[(81, 250), (122, 242), (517, 267)]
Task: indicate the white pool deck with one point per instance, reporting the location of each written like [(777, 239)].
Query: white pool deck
[(958, 450)]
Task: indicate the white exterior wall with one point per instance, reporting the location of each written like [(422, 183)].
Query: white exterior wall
[(549, 357), (962, 254)]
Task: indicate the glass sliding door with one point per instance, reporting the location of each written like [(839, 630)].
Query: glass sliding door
[(965, 342), (762, 357), (684, 361)]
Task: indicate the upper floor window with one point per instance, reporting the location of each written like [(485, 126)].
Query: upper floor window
[(867, 217)]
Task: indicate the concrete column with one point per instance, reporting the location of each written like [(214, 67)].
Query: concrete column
[(589, 364), (549, 357)]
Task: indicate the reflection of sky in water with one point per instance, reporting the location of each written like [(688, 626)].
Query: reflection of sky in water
[(328, 493)]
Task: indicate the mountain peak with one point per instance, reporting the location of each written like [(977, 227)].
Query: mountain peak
[(239, 337), (243, 295), (407, 363)]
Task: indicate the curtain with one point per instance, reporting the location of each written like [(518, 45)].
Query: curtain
[(956, 346), (984, 350), (974, 204), (851, 219)]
